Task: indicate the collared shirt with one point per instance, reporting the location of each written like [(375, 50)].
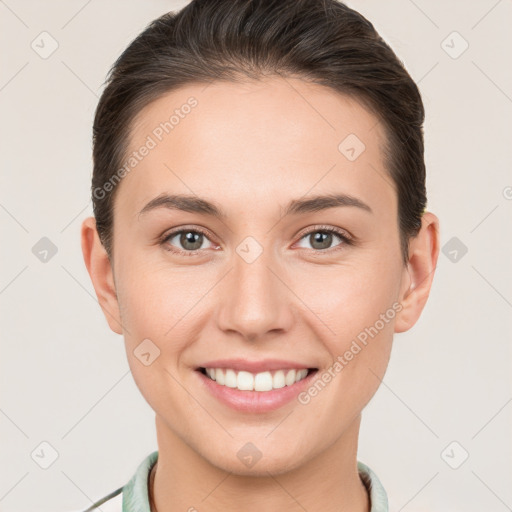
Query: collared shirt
[(133, 497)]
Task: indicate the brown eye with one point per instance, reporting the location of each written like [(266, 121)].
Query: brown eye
[(185, 241), (321, 239), (191, 240)]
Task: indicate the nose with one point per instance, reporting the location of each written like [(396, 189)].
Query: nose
[(256, 301)]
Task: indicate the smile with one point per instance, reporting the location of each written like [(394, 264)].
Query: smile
[(261, 382), (254, 387)]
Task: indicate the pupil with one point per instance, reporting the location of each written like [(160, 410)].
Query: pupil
[(191, 238), (323, 238)]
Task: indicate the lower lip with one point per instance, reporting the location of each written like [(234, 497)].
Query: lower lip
[(255, 401)]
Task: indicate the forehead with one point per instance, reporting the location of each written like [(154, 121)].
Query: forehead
[(263, 141)]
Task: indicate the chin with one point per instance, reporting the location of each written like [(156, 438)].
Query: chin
[(249, 461)]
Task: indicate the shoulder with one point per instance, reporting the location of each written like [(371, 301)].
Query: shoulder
[(133, 495), (376, 491), (113, 502)]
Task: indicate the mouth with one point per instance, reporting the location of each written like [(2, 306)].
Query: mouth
[(251, 392), (260, 382)]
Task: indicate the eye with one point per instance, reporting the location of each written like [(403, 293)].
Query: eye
[(189, 241), (321, 238)]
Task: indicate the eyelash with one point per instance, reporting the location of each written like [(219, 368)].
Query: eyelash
[(321, 229)]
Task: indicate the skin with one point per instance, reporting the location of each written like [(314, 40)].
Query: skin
[(251, 148)]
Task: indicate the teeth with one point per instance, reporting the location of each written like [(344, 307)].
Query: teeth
[(244, 381), (290, 378), (220, 377), (278, 381), (230, 380), (263, 381)]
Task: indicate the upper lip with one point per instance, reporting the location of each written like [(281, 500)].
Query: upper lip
[(255, 366)]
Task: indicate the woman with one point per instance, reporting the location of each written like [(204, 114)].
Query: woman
[(259, 235)]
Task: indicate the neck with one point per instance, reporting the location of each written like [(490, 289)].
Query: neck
[(183, 480)]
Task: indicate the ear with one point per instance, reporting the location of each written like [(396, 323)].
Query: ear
[(419, 272), (100, 270)]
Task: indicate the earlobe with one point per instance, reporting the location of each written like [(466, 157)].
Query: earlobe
[(100, 270), (419, 274)]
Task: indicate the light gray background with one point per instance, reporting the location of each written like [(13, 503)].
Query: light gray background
[(64, 375)]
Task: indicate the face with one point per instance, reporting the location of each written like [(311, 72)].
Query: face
[(267, 277)]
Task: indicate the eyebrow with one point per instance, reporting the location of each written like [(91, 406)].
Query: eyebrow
[(194, 204)]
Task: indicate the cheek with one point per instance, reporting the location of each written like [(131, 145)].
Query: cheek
[(162, 305), (358, 304), (158, 315), (355, 308), (155, 298), (351, 297)]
